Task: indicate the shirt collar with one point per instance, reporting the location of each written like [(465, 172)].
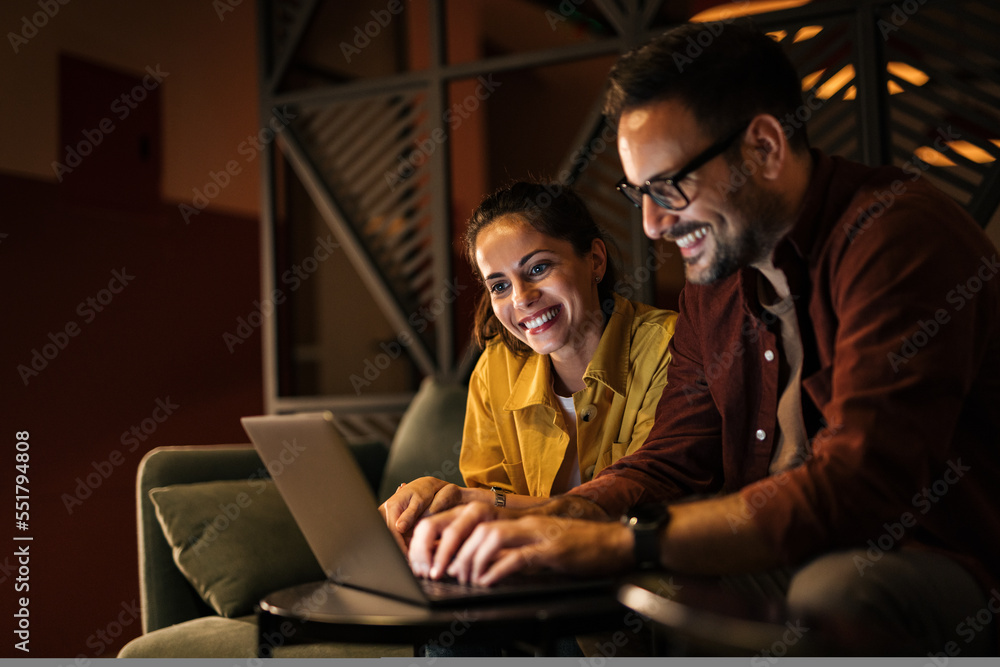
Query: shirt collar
[(794, 250), (815, 210)]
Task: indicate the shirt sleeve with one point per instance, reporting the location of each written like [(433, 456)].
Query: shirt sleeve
[(907, 349), (482, 456)]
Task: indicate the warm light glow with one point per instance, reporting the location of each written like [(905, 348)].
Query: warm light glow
[(971, 152), (907, 73), (933, 157), (809, 80), (745, 8), (807, 32), (836, 83), (778, 35)]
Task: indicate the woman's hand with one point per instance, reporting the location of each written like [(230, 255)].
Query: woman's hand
[(421, 497)]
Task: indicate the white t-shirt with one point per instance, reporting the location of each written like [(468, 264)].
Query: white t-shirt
[(569, 412)]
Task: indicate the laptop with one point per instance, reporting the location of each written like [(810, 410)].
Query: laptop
[(316, 474)]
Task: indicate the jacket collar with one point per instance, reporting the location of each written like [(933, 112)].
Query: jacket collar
[(609, 365), (794, 250)]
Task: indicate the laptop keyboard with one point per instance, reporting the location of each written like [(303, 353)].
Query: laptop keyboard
[(449, 588)]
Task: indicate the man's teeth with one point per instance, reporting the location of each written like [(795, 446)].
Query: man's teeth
[(541, 319), (689, 240)]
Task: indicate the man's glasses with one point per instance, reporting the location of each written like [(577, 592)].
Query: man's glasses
[(667, 192)]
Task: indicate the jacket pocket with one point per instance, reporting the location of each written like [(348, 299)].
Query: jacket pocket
[(609, 455)]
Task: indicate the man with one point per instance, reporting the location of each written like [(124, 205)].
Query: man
[(833, 404)]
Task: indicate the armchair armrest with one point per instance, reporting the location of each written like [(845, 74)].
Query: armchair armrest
[(165, 594)]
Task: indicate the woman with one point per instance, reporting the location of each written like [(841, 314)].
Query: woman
[(571, 372)]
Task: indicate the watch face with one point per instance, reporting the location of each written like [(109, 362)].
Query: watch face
[(649, 514)]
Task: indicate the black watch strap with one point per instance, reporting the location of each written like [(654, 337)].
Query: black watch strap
[(646, 523)]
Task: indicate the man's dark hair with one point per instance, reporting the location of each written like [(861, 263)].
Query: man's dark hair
[(724, 73)]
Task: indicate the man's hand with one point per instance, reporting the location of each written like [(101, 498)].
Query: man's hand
[(426, 495), (535, 543), (437, 537)]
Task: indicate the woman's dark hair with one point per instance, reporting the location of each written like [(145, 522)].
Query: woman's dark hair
[(552, 209), (725, 73)]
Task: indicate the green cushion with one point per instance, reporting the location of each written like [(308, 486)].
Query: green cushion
[(234, 540), (236, 639)]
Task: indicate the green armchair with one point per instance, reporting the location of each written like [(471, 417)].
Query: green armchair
[(181, 602)]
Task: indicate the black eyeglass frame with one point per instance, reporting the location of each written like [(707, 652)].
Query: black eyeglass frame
[(699, 160)]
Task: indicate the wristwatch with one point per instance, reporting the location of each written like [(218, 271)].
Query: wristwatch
[(647, 523), (499, 496)]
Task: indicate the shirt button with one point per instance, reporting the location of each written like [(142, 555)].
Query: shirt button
[(760, 434), (769, 355), (588, 413)]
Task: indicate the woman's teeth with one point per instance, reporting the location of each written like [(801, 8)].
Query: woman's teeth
[(541, 319)]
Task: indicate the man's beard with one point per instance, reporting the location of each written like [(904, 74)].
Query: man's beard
[(764, 218)]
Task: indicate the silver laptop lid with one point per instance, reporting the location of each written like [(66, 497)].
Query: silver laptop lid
[(326, 492)]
